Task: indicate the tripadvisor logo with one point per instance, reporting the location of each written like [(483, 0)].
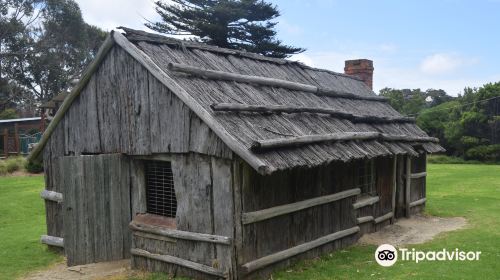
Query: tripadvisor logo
[(387, 255)]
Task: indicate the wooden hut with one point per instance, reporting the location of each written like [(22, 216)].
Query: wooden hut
[(215, 163)]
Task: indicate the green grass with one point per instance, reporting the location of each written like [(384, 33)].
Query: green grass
[(444, 159), (470, 191), (22, 221)]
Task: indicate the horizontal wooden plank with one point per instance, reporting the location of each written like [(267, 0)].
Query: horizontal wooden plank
[(418, 202), (52, 240), (285, 254), (160, 157), (417, 175), (52, 196), (178, 261), (365, 202), (365, 219), (383, 218), (154, 236), (179, 234), (260, 215)]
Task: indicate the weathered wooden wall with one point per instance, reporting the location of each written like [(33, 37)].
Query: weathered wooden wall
[(124, 109), (418, 185), (96, 207), (384, 184), (204, 190), (282, 232)]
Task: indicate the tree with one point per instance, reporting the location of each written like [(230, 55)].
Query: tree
[(235, 24), (8, 114), (405, 101), (45, 44)]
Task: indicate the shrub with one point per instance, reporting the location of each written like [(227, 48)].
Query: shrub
[(443, 159), (484, 152), (3, 168), (13, 164), (32, 167)]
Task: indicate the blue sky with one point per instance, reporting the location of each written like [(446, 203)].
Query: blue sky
[(446, 44)]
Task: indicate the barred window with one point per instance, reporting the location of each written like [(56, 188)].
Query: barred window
[(365, 177), (160, 193)]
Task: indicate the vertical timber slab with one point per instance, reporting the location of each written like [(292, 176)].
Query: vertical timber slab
[(408, 186), (238, 234), (69, 206), (126, 209), (90, 217), (137, 187), (394, 186), (223, 209), (100, 229), (194, 193), (108, 111)]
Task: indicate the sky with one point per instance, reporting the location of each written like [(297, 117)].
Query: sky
[(440, 44)]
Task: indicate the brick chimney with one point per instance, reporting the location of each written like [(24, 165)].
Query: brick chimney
[(361, 68)]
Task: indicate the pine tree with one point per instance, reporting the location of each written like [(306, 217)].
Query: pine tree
[(235, 24)]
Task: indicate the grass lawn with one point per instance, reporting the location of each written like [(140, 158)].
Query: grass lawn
[(22, 221), (470, 191)]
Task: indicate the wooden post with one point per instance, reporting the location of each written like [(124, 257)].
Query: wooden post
[(394, 186), (6, 142), (16, 139), (408, 185), (42, 121)]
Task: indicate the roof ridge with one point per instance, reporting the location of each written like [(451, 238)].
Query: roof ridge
[(140, 35)]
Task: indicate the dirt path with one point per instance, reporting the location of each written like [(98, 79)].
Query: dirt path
[(416, 230), (107, 270)]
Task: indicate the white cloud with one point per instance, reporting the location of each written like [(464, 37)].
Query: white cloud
[(109, 14), (390, 73), (443, 63)]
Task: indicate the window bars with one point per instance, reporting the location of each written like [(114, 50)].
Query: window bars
[(160, 192), (365, 177)]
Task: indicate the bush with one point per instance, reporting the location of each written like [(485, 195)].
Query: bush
[(442, 159), (32, 167), (484, 152), (14, 164), (3, 168)]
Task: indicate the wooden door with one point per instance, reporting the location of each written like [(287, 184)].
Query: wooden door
[(96, 207)]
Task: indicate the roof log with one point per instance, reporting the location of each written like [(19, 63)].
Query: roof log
[(235, 107), (295, 141), (265, 81)]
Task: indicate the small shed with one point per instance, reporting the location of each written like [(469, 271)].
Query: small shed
[(214, 163), (17, 134)]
